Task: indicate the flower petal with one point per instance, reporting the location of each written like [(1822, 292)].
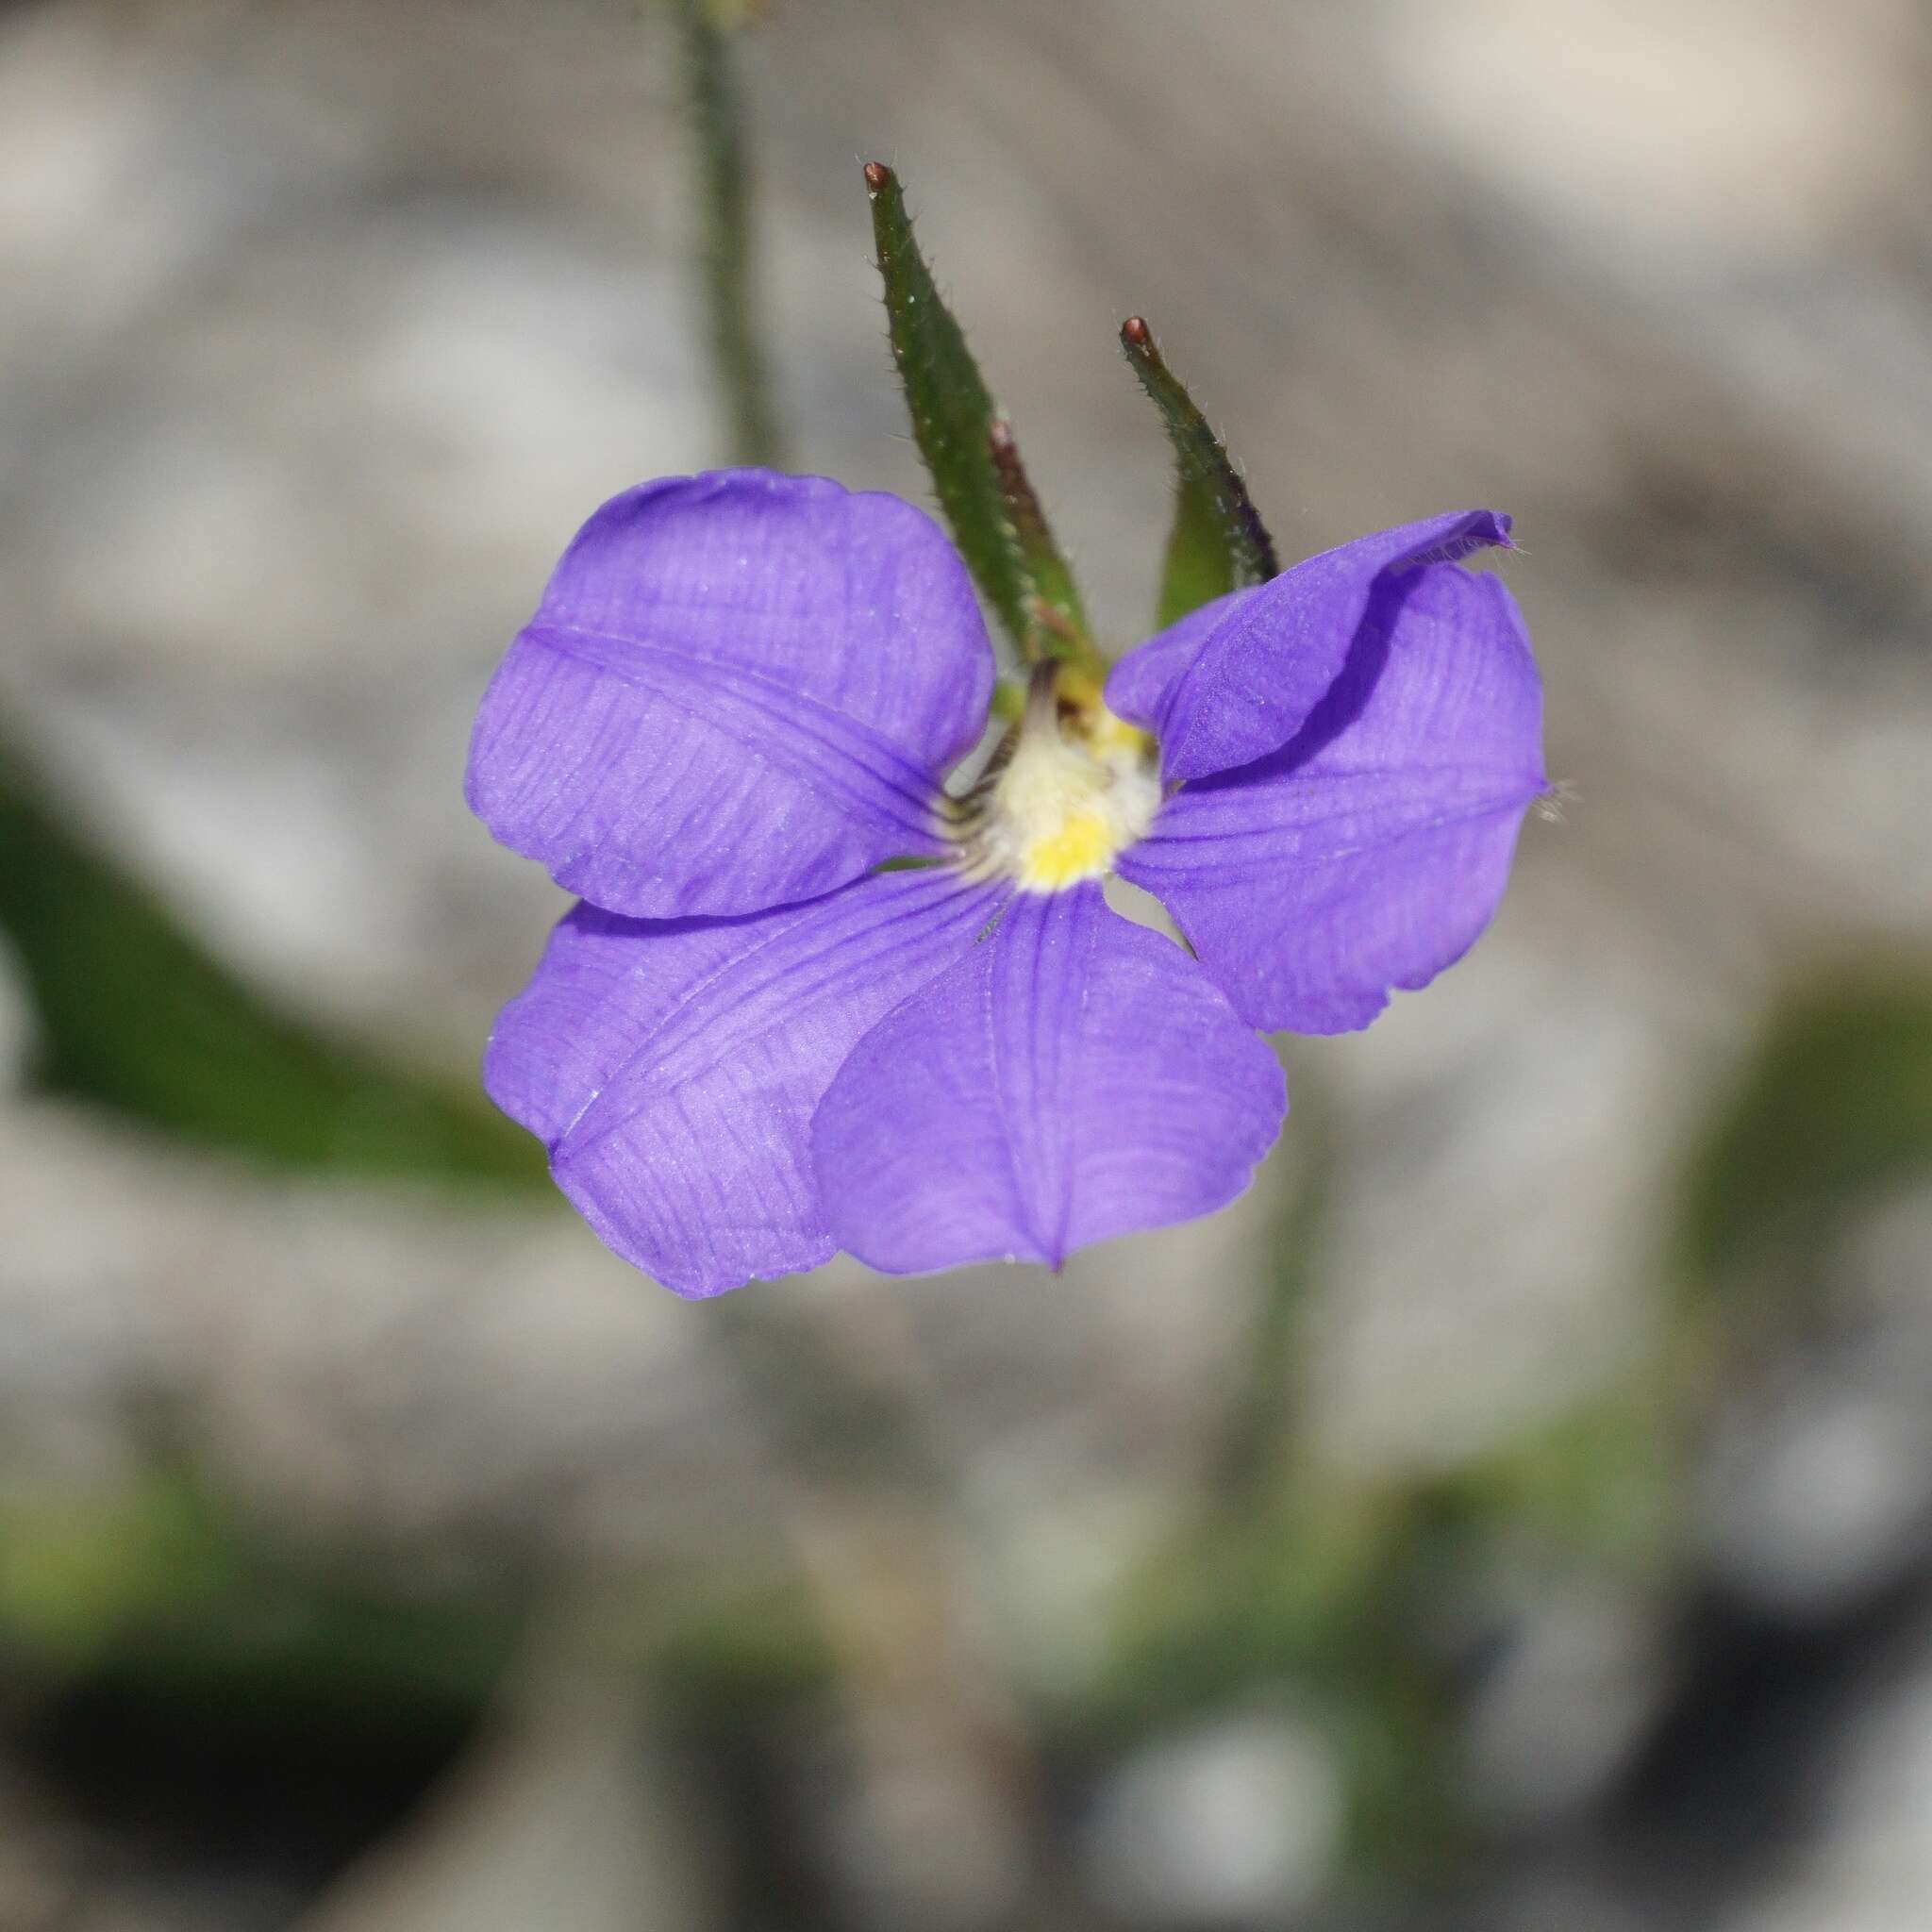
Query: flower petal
[(740, 690), (1267, 662), (672, 1066), (1138, 685), (1372, 850), (1071, 1078)]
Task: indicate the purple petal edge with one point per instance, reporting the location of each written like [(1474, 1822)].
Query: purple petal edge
[(740, 690), (1071, 1078), (1270, 659), (671, 1067), (1369, 853)]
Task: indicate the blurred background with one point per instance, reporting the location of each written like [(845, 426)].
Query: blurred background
[(1515, 1513)]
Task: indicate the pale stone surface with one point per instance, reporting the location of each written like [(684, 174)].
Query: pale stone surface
[(1235, 1824)]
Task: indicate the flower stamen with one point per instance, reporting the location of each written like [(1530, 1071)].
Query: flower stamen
[(1070, 788)]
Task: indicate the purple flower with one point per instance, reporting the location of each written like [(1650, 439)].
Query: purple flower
[(751, 1046)]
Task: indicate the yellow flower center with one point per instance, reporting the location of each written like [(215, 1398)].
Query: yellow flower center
[(1071, 791)]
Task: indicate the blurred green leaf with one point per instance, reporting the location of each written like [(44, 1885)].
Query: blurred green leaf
[(969, 449), (165, 1580), (721, 1641), (732, 16), (137, 1015), (1218, 542), (1602, 1483), (1314, 1600), (1247, 1603), (1834, 1106)]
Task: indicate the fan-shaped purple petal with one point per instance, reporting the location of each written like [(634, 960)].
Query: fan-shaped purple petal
[(740, 690), (1272, 653), (1138, 686), (671, 1067), (1071, 1078), (1370, 851)]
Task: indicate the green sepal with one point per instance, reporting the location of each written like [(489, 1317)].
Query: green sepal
[(1009, 701), (969, 449), (135, 1014), (1050, 602), (1219, 542)]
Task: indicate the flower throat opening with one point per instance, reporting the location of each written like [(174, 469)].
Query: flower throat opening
[(1070, 788)]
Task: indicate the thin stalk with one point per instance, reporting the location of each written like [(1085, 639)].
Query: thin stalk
[(725, 243), (1259, 1434)]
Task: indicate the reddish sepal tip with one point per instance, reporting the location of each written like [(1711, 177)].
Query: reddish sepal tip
[(876, 176)]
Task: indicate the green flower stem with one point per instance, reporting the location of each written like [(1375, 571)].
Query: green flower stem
[(1260, 1436), (738, 359)]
